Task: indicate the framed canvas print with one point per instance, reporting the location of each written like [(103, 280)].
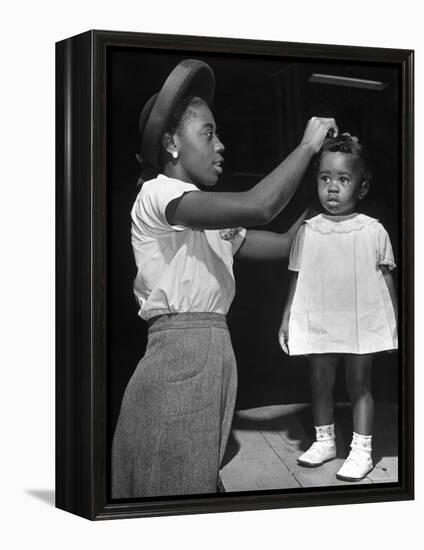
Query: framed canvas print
[(234, 274)]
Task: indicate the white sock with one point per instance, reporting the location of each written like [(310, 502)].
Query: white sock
[(361, 442), (325, 433)]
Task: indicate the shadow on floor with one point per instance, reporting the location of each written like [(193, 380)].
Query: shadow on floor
[(231, 450)]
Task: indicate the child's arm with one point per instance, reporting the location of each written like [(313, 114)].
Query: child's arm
[(388, 277), (283, 333)]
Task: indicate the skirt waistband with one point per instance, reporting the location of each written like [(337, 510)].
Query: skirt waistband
[(186, 320)]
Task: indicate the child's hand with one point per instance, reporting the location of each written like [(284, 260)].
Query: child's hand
[(283, 336)]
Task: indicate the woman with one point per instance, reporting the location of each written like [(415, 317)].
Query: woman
[(177, 409)]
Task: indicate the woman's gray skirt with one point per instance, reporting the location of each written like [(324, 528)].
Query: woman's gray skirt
[(177, 409)]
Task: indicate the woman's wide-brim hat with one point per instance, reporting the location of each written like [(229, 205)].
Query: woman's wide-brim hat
[(189, 78)]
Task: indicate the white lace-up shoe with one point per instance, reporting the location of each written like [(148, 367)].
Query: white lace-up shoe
[(318, 453), (356, 466)]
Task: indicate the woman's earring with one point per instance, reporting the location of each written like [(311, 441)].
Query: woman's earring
[(174, 155)]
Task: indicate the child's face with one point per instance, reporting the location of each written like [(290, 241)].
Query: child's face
[(340, 183), (200, 148)]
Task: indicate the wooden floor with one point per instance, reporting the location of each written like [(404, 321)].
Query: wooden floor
[(265, 443)]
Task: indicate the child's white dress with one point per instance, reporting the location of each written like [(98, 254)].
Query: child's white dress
[(342, 303)]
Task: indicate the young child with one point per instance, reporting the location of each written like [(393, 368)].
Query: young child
[(342, 302)]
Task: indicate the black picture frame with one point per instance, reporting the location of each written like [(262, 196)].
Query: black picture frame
[(82, 440)]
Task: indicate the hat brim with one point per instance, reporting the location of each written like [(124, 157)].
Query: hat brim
[(189, 78)]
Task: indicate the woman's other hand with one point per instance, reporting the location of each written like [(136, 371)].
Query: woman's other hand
[(317, 130)]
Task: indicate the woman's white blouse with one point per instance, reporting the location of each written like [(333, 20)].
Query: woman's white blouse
[(179, 269)]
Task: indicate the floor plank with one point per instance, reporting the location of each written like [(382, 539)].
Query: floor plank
[(256, 466), (385, 471)]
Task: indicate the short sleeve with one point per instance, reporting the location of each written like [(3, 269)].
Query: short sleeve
[(384, 248), (155, 196), (296, 250), (235, 235)]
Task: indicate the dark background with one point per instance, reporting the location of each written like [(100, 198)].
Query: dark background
[(261, 107)]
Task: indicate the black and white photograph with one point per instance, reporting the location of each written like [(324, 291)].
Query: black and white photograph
[(280, 273), (251, 269)]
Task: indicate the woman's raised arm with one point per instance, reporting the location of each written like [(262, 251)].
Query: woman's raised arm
[(262, 203)]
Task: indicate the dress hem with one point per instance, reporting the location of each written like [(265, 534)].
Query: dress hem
[(340, 352)]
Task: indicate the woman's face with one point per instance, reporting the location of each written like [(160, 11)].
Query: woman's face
[(339, 182), (199, 148)]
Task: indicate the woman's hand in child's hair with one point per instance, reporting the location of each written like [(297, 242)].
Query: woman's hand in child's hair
[(283, 336), (316, 131)]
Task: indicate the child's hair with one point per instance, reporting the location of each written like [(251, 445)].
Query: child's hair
[(182, 114), (345, 143)]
